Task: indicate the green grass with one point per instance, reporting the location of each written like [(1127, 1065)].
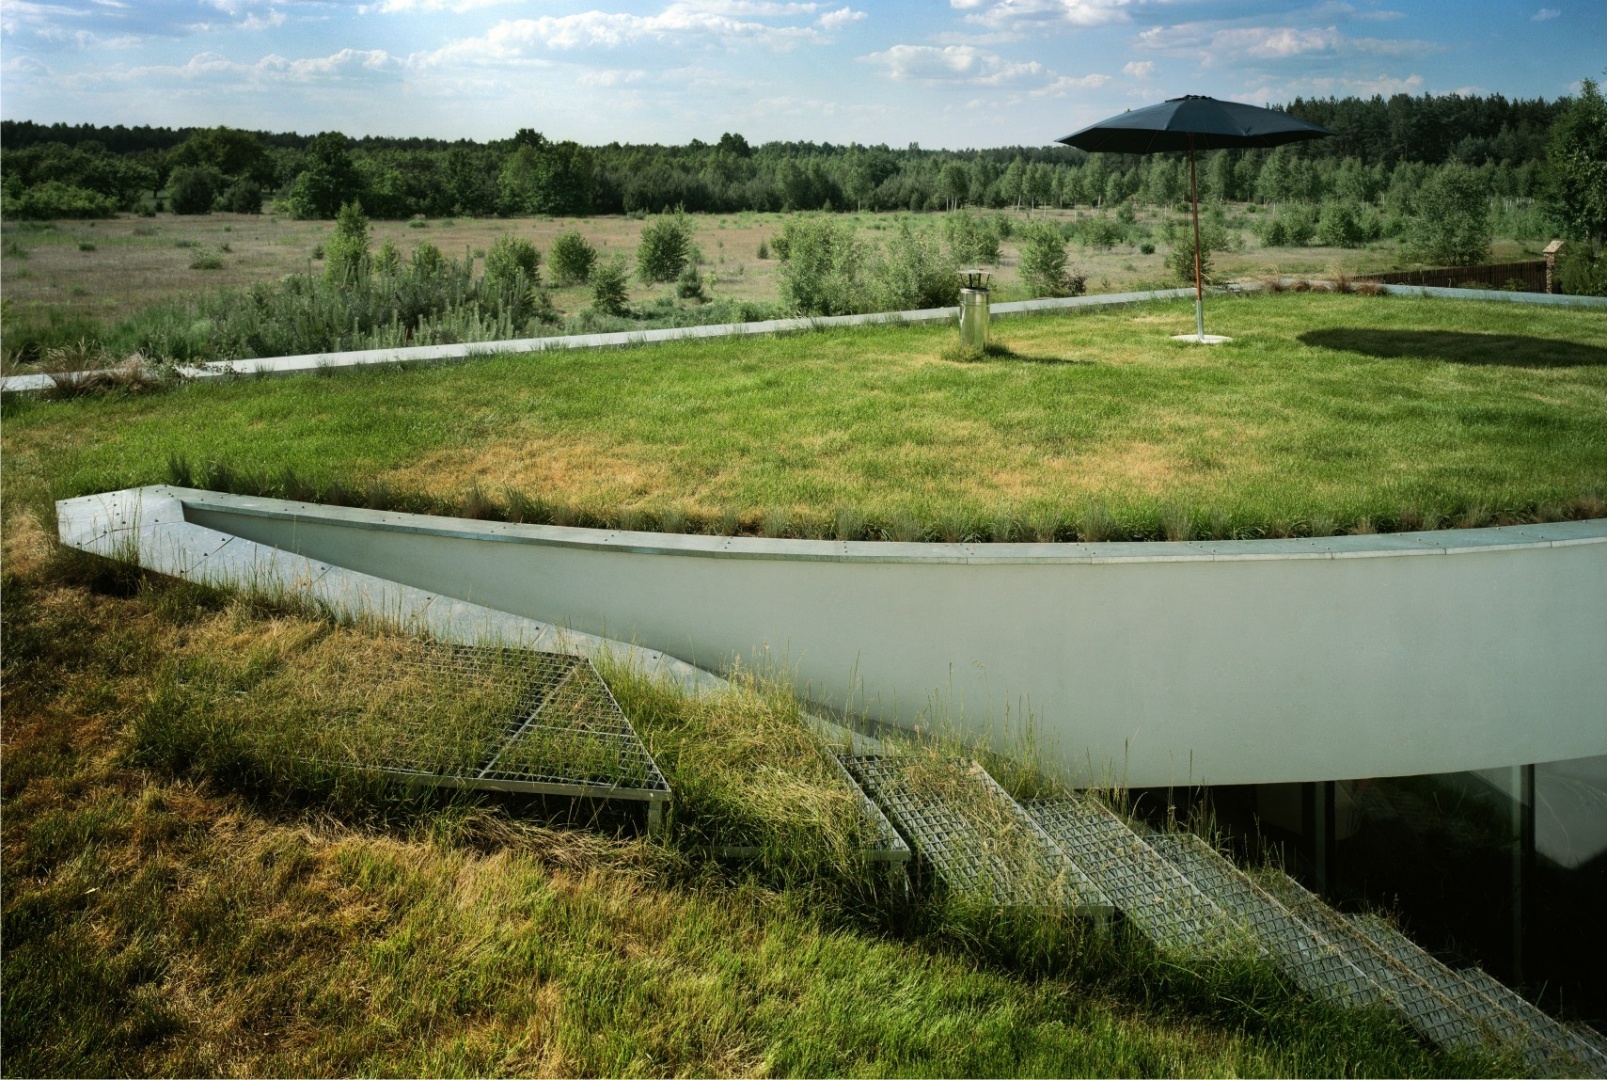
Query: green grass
[(1326, 413), (162, 917)]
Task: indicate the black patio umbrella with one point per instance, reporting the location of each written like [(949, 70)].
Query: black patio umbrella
[(1193, 122)]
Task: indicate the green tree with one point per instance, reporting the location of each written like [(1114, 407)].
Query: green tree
[(572, 257), (328, 182), (610, 287), (1575, 178), (1043, 262), (1179, 234), (665, 246), (513, 260), (192, 189), (1450, 221), (346, 251), (824, 268), (916, 273)]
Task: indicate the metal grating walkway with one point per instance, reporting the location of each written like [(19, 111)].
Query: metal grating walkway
[(1315, 964), (1147, 889), (1435, 1015), (557, 729), (1533, 1037), (976, 838)]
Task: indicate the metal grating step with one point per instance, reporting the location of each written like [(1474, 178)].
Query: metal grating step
[(1573, 1043), (1146, 888), (1433, 1014), (535, 722), (1315, 964), (1539, 1050), (976, 838)]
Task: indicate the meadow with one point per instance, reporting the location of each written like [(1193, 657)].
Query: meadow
[(177, 901), (69, 281), (1326, 413), (170, 908)]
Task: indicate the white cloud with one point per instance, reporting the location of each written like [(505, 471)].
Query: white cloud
[(1024, 14), (1217, 47), (1361, 86), (1139, 69), (219, 72), (428, 7), (1545, 14), (253, 21), (953, 63), (681, 23), (1069, 86), (836, 20)]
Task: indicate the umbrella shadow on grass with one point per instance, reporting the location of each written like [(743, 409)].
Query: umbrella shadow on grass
[(1454, 347)]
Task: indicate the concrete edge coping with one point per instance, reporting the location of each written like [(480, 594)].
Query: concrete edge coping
[(1435, 542), (148, 525), (279, 366)]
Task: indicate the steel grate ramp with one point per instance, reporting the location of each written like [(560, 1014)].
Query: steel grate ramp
[(1315, 964), (1433, 1014), (1541, 1047), (555, 729), (1576, 1045), (1147, 889), (977, 839)]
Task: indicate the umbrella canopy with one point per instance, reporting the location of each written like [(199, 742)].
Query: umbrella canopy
[(1193, 122)]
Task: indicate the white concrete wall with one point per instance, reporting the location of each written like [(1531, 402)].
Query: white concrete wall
[(1150, 664)]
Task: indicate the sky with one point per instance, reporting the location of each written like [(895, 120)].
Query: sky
[(941, 73)]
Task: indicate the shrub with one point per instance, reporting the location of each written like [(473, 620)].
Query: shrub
[(1295, 226), (610, 287), (389, 259), (53, 199), (1341, 225), (1180, 236), (572, 257), (1450, 223), (346, 251), (1043, 263), (971, 241), (823, 266), (242, 197), (193, 189), (916, 273), (512, 259), (665, 245), (764, 251), (689, 286), (1101, 232), (206, 260), (427, 260), (1582, 273)]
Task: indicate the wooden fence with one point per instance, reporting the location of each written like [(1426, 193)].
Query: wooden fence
[(1516, 277)]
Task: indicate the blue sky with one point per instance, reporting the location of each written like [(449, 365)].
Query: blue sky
[(945, 73)]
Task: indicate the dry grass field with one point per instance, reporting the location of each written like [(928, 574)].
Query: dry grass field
[(105, 270)]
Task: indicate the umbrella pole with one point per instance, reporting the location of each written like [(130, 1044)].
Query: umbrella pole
[(1199, 287)]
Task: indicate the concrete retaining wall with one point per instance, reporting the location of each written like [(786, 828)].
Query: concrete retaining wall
[(1150, 664)]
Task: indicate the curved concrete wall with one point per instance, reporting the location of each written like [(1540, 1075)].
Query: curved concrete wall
[(1149, 664)]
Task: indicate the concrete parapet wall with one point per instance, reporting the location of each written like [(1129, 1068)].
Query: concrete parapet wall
[(1148, 664)]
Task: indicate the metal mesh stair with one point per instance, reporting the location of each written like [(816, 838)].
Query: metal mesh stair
[(979, 841), (1147, 889), (1315, 964), (1436, 1015), (1541, 1041)]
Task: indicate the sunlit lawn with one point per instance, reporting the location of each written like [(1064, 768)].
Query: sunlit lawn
[(1326, 412)]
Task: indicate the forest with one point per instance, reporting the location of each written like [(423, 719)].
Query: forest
[(84, 171)]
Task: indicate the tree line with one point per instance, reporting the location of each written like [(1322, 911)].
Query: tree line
[(1385, 150)]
